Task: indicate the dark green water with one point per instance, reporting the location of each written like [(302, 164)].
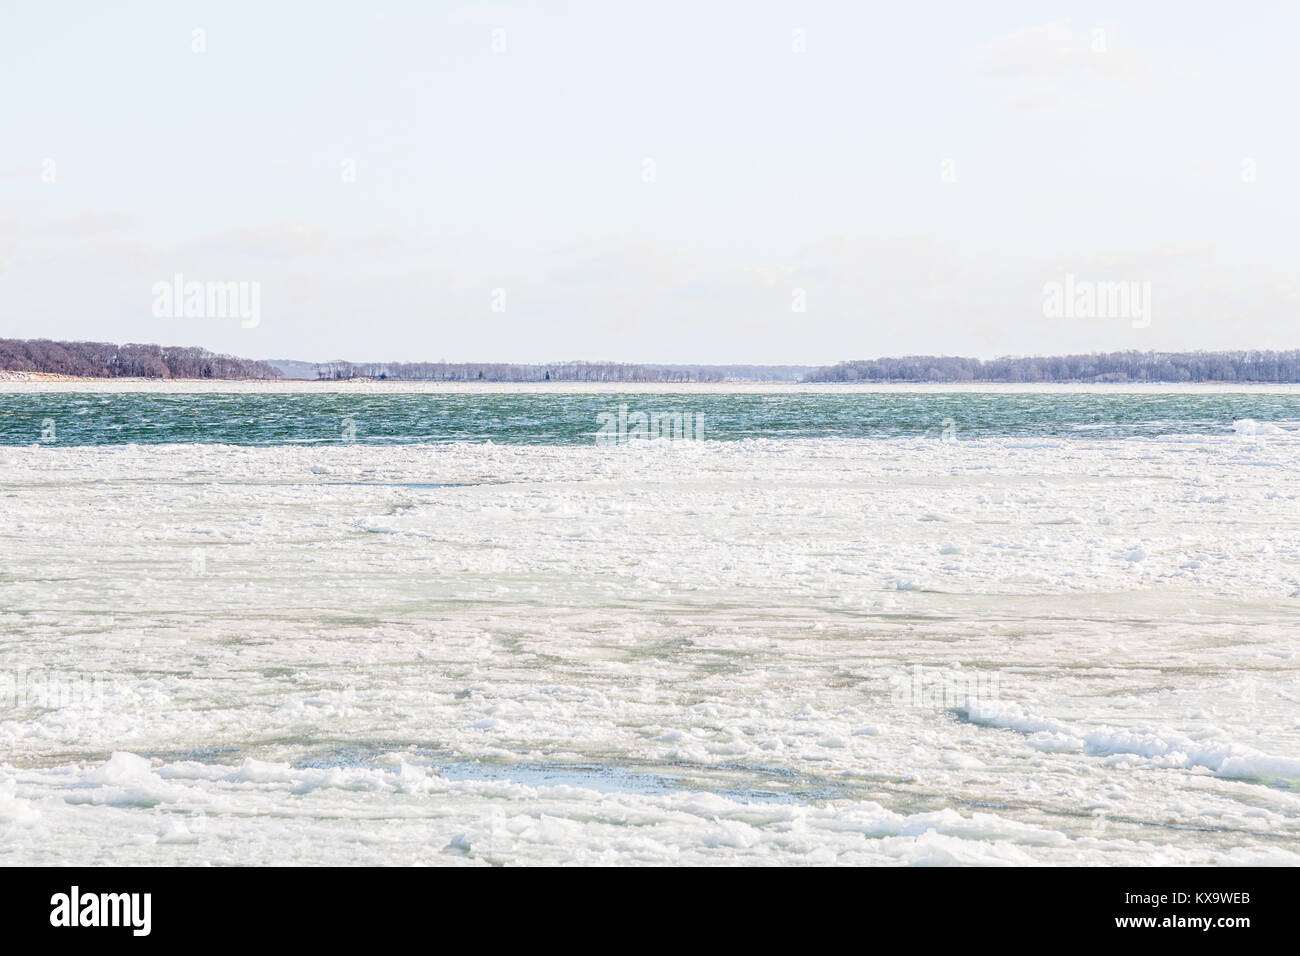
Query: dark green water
[(552, 419)]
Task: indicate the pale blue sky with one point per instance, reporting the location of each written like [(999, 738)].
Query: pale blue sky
[(775, 171)]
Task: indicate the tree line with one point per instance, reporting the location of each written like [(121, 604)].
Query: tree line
[(106, 360), (1132, 366), (133, 360)]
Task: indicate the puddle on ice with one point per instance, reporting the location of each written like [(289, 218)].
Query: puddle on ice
[(742, 784), (604, 778)]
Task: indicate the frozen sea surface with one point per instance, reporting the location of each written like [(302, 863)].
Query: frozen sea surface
[(995, 651)]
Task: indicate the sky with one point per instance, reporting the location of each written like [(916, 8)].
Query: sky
[(731, 182)]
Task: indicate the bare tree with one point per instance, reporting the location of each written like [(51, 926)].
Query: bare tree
[(106, 360)]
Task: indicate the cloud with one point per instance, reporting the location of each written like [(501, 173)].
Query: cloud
[(770, 276), (1053, 68), (20, 172), (277, 240), (1054, 50), (482, 13), (86, 224)]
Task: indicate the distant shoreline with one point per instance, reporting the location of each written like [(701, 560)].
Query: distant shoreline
[(43, 360), (40, 383)]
